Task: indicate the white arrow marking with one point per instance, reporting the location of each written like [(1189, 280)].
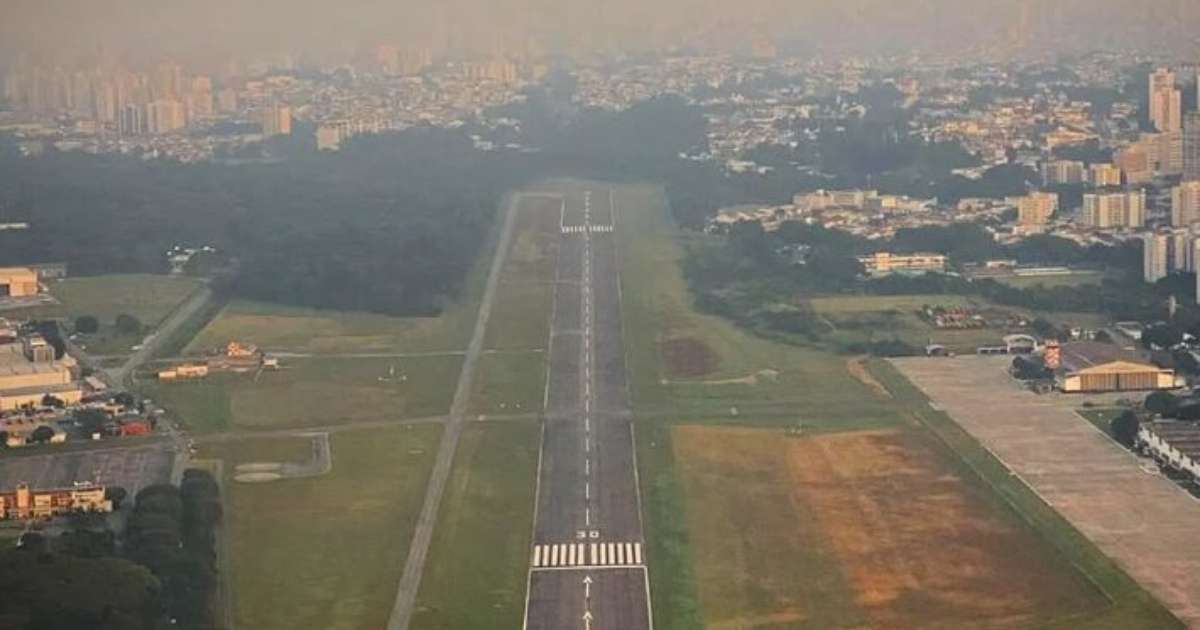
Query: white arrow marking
[(587, 620), (587, 587)]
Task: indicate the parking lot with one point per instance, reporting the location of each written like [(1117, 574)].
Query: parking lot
[(131, 468)]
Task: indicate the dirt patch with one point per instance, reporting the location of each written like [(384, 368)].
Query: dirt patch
[(857, 368), (688, 357), (854, 530)]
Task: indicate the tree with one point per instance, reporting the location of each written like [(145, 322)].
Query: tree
[(91, 420), (87, 325), (117, 495), (53, 401), (1162, 403), (1124, 428), (42, 434), (128, 324)]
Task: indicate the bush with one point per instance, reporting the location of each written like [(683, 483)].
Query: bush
[(128, 324), (87, 325)]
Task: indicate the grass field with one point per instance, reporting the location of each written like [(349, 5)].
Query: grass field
[(312, 392), (149, 298), (476, 572), (745, 371), (1073, 280), (707, 519), (509, 382), (325, 552), (869, 318), (860, 529)]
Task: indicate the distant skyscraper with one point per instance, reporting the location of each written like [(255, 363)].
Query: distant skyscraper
[(1191, 146), (1166, 105), (165, 116), (1155, 256), (1185, 204), (132, 122), (276, 120)]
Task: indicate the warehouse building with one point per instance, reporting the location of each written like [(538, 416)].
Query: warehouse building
[(1100, 367), (29, 370), (18, 282)]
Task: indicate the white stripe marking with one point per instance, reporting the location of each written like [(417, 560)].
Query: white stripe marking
[(637, 553)]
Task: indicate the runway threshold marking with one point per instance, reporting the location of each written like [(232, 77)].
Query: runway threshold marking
[(587, 555)]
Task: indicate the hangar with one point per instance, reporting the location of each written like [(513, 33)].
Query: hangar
[(1102, 367)]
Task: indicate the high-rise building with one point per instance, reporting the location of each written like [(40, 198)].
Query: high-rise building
[(1115, 210), (1134, 162), (200, 98), (1185, 204), (132, 121), (1191, 146), (165, 116), (1104, 175), (1155, 256), (276, 120), (1166, 105), (1036, 208), (1056, 172)]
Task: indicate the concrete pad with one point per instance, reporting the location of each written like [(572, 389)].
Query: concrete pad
[(1143, 521)]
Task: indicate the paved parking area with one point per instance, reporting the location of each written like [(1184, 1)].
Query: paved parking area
[(131, 468), (1143, 521)]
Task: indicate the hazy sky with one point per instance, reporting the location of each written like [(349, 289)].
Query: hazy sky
[(235, 27)]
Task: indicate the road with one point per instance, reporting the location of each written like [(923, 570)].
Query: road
[(119, 377), (588, 561), (410, 580)]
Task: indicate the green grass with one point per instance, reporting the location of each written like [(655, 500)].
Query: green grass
[(520, 317), (658, 305), (475, 576), (1132, 607), (509, 382), (149, 298), (325, 552), (1072, 280), (833, 305), (313, 392), (676, 604)]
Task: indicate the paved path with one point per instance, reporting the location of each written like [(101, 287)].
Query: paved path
[(119, 376), (410, 580)]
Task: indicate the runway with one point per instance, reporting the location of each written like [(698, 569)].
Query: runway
[(588, 559)]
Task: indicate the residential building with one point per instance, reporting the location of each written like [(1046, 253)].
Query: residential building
[(276, 120), (1115, 210), (1104, 175), (1155, 257), (1191, 146), (165, 116), (1165, 101), (1036, 208), (1185, 204), (1135, 163), (884, 263), (1062, 172)]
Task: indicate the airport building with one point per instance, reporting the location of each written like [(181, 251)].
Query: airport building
[(18, 282), (25, 503), (29, 370), (884, 263), (1090, 367)]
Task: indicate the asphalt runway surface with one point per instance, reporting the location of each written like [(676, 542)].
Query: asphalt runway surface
[(588, 562)]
